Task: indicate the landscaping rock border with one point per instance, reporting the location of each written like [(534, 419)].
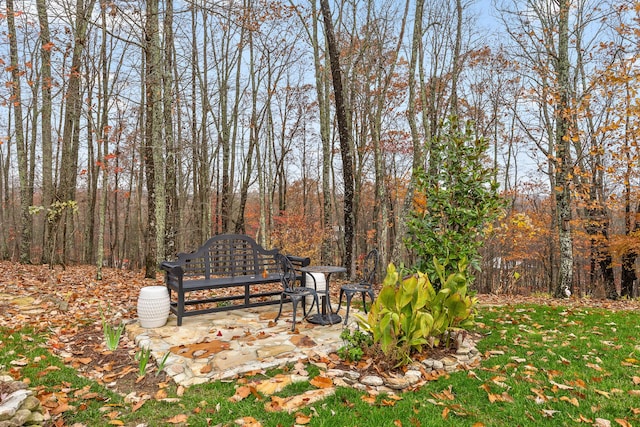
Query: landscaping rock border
[(465, 357), (20, 407)]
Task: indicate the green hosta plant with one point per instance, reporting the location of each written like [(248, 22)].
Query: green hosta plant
[(398, 319), (452, 307), (409, 314)]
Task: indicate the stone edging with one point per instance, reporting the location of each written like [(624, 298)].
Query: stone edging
[(417, 373), (20, 408)]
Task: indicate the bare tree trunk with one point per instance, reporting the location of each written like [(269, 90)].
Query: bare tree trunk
[(62, 220), (628, 275), (171, 167), (153, 151), (455, 72), (418, 147), (46, 126), (26, 191), (322, 91), (382, 220), (104, 137), (562, 189), (94, 165), (345, 136)]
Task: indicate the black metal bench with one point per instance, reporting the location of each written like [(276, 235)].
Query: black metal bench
[(224, 261)]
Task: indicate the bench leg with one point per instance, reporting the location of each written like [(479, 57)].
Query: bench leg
[(279, 311), (180, 308)]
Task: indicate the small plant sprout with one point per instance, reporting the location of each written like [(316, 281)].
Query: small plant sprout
[(111, 333), (355, 344), (143, 357), (162, 363)]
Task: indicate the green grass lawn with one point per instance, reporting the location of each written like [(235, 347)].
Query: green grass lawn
[(542, 365)]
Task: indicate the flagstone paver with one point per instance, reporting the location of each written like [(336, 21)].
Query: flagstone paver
[(233, 343)]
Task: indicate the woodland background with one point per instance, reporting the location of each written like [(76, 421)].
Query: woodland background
[(132, 130)]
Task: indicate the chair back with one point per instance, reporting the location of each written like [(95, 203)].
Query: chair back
[(287, 273), (369, 267)]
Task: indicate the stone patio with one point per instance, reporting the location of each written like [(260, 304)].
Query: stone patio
[(228, 344)]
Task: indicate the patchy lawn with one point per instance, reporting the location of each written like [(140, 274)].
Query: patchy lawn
[(545, 361)]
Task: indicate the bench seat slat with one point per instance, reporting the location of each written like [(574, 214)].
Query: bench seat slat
[(224, 282)]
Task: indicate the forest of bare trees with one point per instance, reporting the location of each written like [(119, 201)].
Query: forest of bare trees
[(134, 129)]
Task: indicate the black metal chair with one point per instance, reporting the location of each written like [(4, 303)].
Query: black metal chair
[(364, 286), (296, 293)]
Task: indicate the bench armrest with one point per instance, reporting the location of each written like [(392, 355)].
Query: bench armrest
[(172, 268)]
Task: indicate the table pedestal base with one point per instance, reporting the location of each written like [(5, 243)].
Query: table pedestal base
[(325, 319)]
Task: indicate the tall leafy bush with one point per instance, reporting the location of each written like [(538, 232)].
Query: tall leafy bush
[(455, 199)]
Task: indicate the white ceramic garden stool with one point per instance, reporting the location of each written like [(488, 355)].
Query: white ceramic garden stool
[(321, 285), (153, 306)]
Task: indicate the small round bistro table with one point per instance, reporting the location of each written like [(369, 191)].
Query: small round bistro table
[(326, 316)]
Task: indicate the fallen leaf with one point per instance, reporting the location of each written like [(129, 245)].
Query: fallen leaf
[(302, 419), (137, 406), (180, 418), (275, 385), (248, 422), (368, 399), (293, 403), (241, 393), (444, 395), (571, 400), (585, 419), (445, 413), (160, 394), (561, 386), (321, 382), (302, 341), (201, 350), (622, 422), (63, 407)]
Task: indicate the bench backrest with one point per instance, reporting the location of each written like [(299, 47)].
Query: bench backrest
[(229, 255)]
